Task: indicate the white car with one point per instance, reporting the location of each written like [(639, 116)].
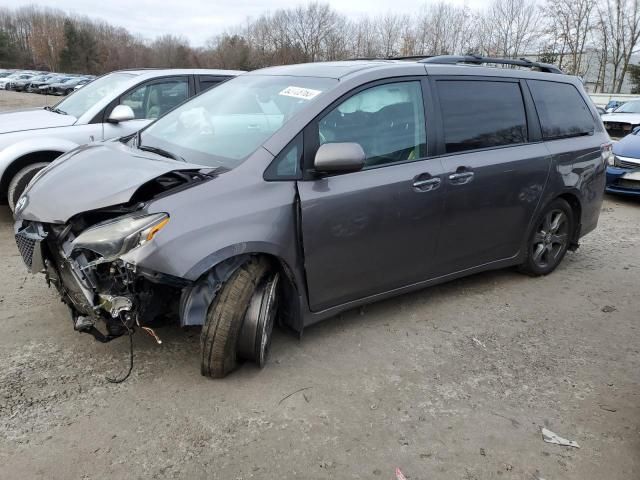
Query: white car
[(13, 77), (623, 119), (115, 105)]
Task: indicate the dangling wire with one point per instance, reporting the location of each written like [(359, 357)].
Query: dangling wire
[(120, 380)]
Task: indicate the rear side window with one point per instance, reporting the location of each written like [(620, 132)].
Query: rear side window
[(481, 114), (206, 82), (562, 110)]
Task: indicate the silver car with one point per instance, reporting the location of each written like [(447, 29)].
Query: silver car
[(292, 193), (114, 105)]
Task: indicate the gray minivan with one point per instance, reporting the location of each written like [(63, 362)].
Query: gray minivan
[(289, 194)]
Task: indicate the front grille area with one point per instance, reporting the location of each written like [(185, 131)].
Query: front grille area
[(624, 164), (618, 129), (630, 184), (26, 246)]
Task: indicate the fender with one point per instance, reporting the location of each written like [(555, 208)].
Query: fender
[(24, 147), (216, 268)]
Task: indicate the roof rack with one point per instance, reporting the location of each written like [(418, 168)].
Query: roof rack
[(479, 60)]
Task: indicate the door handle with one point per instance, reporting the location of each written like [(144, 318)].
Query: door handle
[(461, 178), (426, 185)]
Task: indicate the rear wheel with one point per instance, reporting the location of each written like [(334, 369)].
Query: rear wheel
[(20, 181), (227, 335), (550, 239)]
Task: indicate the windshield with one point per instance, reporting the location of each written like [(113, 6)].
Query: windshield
[(631, 107), (81, 101), (223, 126)]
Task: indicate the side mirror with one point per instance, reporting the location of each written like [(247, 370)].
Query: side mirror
[(339, 157), (121, 113)]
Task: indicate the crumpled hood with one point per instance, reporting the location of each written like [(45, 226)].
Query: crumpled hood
[(32, 120), (93, 176), (633, 118), (629, 146)]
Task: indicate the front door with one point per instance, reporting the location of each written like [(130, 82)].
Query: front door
[(374, 230)]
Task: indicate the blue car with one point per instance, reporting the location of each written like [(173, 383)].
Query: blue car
[(623, 171)]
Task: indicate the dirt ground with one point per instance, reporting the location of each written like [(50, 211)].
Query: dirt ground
[(453, 382), (16, 100)]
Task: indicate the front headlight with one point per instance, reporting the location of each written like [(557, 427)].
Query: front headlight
[(114, 238)]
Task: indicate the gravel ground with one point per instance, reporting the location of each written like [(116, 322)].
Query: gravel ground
[(453, 382), (16, 100)]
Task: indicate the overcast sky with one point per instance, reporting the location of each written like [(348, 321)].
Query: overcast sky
[(199, 20)]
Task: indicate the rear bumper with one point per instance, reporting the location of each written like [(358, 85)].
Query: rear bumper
[(619, 183)]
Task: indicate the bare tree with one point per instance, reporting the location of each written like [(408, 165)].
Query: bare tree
[(621, 21), (443, 29), (511, 26), (389, 28), (570, 23)]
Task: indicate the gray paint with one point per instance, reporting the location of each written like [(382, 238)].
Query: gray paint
[(365, 235)]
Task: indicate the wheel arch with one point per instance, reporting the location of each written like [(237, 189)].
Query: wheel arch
[(576, 207), (17, 156), (196, 299)]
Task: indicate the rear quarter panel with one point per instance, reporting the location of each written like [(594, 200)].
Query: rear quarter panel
[(578, 169)]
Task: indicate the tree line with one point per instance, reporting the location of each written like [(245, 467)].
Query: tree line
[(595, 37)]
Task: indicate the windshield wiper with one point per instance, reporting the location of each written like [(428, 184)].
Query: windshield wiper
[(56, 110), (161, 151)]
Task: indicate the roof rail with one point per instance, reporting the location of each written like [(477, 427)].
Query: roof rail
[(479, 60)]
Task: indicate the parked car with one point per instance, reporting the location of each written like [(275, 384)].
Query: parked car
[(601, 111), (613, 104), (44, 88), (6, 82), (623, 171), (21, 85), (55, 88), (34, 83), (623, 120), (114, 105), (293, 193), (67, 87)]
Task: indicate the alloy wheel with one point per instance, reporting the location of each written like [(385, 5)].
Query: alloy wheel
[(551, 239)]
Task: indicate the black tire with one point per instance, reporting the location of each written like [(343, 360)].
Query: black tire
[(550, 239), (224, 319), (68, 91), (20, 181)]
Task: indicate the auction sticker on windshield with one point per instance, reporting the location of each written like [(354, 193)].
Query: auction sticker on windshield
[(299, 92)]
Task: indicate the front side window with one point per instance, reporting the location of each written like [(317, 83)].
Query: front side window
[(386, 120), (562, 110), (481, 114), (85, 98), (152, 100), (226, 124), (286, 166)]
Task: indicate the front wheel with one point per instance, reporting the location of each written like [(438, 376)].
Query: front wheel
[(20, 181), (227, 335), (550, 239)]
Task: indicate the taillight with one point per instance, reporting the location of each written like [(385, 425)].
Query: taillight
[(606, 149)]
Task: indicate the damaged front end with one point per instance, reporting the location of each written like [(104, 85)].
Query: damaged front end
[(107, 296)]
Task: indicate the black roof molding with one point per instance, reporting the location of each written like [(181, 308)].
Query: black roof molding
[(479, 60)]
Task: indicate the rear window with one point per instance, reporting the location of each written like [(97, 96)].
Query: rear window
[(481, 114), (562, 110)]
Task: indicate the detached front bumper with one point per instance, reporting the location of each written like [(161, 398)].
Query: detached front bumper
[(623, 181)]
